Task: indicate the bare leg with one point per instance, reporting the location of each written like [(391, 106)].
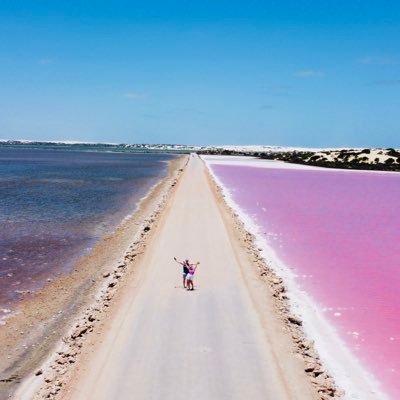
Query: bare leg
[(184, 281)]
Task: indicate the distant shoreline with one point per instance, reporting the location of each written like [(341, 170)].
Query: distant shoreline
[(364, 159), (373, 159), (106, 147)]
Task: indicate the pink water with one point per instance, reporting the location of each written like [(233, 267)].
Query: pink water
[(340, 233)]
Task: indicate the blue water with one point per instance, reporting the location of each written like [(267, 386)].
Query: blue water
[(55, 205)]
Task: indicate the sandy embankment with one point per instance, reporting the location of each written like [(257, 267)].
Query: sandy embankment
[(230, 338), (154, 339), (41, 321)]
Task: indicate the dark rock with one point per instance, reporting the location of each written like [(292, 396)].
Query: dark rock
[(311, 367), (295, 320), (79, 332), (392, 153)]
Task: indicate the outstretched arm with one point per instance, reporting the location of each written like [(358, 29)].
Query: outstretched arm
[(178, 261), (195, 265)]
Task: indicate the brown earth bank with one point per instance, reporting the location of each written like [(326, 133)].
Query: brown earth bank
[(41, 319), (143, 337), (359, 159)]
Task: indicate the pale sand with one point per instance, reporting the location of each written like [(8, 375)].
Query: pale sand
[(156, 340)]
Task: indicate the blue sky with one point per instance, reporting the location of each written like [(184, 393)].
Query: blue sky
[(301, 73)]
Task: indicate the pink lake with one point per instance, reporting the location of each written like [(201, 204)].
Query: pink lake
[(339, 231)]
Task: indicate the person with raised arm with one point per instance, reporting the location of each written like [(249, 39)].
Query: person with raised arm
[(185, 264), (190, 275)]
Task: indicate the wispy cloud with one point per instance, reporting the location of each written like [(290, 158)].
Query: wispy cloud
[(45, 61), (190, 110), (267, 107), (152, 116), (133, 95), (277, 90), (379, 60), (279, 87), (308, 74), (385, 82)]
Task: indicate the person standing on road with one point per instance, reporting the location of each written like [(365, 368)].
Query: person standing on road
[(190, 276), (185, 264)]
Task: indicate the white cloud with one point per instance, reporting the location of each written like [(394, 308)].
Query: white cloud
[(132, 95), (45, 61), (308, 74), (379, 61), (385, 82)]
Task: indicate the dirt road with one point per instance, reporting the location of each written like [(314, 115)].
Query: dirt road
[(168, 343)]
